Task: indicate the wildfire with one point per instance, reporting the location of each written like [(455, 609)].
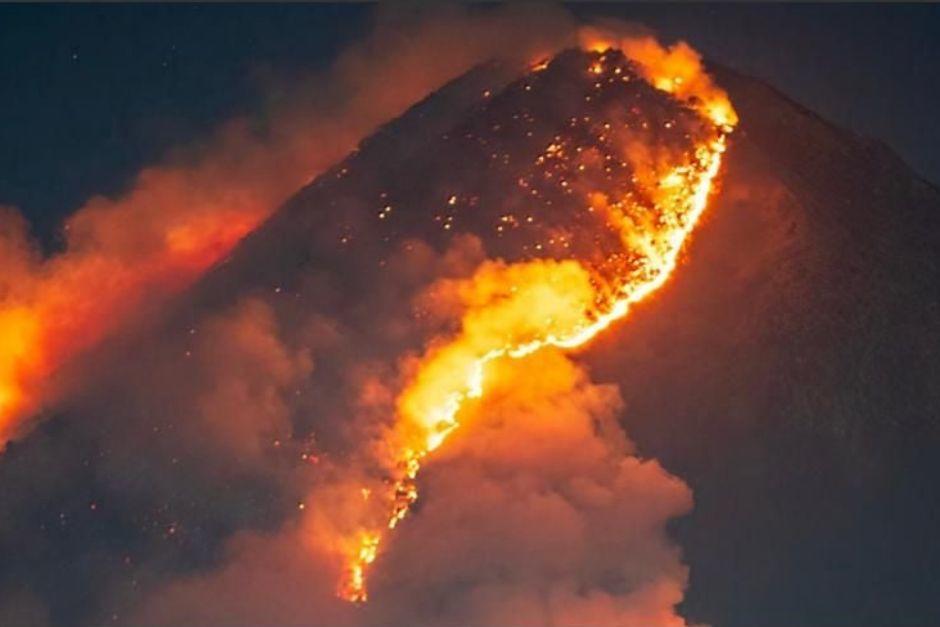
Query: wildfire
[(365, 555), (515, 310), (676, 70)]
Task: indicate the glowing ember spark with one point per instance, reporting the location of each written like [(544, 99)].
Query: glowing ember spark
[(541, 65), (560, 304)]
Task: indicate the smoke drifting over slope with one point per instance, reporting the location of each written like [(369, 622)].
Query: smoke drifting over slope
[(561, 525)]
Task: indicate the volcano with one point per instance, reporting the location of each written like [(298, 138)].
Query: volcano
[(787, 371)]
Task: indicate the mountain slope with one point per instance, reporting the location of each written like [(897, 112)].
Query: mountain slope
[(789, 373)]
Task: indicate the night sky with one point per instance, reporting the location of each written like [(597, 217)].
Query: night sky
[(91, 94)]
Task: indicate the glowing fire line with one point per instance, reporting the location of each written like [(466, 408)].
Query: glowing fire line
[(352, 587), (661, 262)]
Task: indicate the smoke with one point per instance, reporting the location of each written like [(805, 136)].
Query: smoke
[(541, 512), (223, 392), (564, 525)]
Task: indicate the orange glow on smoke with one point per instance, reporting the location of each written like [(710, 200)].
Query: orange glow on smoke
[(18, 330), (69, 304), (181, 217), (514, 310)]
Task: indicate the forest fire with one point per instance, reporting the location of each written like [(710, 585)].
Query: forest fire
[(489, 315), (513, 310)]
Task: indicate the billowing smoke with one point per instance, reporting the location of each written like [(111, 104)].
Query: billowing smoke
[(179, 218), (265, 440), (542, 514)]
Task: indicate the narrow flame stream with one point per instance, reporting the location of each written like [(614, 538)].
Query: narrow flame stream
[(453, 374)]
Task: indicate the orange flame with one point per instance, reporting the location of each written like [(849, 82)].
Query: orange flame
[(516, 310), (17, 332), (677, 70)]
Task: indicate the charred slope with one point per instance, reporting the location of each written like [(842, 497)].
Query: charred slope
[(501, 166)]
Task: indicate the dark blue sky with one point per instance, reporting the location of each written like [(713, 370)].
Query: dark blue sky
[(92, 93)]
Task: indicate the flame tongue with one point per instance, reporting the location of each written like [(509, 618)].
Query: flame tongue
[(515, 310)]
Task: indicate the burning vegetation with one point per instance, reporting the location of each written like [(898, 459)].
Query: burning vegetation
[(603, 207)]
